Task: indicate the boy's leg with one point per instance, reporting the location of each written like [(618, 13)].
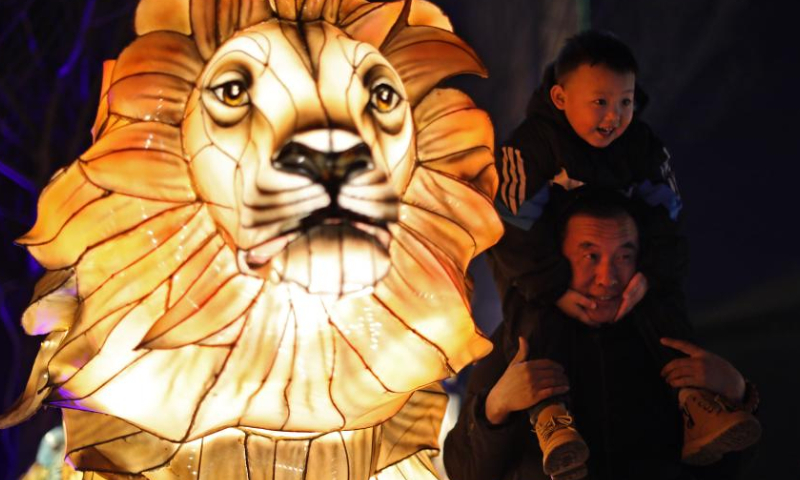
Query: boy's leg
[(564, 452)]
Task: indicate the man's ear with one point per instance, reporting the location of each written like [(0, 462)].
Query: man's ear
[(558, 96)]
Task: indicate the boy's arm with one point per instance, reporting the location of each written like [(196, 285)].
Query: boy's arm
[(528, 257), (665, 250)]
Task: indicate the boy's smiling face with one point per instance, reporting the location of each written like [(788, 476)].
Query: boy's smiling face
[(597, 101)]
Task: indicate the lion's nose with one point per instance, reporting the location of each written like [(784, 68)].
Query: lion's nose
[(329, 157)]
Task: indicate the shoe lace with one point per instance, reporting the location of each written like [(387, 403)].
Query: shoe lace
[(556, 422)]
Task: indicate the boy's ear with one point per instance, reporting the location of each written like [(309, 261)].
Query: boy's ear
[(558, 96)]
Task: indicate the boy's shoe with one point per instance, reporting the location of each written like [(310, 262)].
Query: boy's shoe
[(562, 446), (713, 427), (575, 474)]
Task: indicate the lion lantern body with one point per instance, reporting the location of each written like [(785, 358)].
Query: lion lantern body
[(262, 256)]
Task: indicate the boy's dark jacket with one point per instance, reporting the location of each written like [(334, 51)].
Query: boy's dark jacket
[(541, 148)]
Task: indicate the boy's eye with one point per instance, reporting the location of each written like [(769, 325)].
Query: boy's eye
[(600, 101), (627, 102)]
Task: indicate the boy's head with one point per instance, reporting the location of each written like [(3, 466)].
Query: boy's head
[(595, 82)]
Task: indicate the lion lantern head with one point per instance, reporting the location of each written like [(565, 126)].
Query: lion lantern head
[(273, 225)]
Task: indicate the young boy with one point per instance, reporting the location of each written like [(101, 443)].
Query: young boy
[(582, 129)]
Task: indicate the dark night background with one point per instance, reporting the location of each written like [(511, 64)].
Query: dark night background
[(723, 82)]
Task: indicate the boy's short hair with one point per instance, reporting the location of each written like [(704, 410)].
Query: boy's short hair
[(594, 47)]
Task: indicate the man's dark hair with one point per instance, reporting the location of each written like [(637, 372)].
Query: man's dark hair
[(594, 47), (594, 202)]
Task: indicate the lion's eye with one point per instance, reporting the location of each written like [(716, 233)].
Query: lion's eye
[(384, 98), (233, 94)]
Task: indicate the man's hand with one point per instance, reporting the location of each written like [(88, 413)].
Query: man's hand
[(702, 369), (524, 384), (574, 305), (634, 292)]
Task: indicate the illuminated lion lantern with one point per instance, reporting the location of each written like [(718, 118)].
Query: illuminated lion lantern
[(262, 256)]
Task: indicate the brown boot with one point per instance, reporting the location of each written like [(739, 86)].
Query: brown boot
[(575, 474), (713, 427), (562, 446)]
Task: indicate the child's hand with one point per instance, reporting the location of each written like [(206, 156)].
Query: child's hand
[(633, 293), (574, 305)]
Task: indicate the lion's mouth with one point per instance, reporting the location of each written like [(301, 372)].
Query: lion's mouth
[(257, 257), (331, 251)]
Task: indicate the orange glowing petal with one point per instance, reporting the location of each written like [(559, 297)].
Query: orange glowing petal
[(67, 193), (371, 22), (357, 391), (102, 109), (88, 428), (285, 9), (414, 428), (203, 18), (456, 138), (134, 273), (172, 385), (111, 343), (424, 56), (268, 406), (148, 235), (159, 175), (133, 453), (147, 136), (104, 218), (163, 52), (224, 307), (215, 21), (246, 370), (154, 15), (36, 389), (450, 239), (456, 132), (208, 279), (54, 304), (444, 196), (418, 466), (150, 97), (82, 343), (225, 337), (377, 334), (206, 260), (431, 298), (310, 404)]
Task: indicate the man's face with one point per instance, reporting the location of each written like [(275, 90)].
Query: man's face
[(602, 253), (597, 101)]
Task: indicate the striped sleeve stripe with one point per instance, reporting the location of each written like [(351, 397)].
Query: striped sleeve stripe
[(512, 187), (520, 193)]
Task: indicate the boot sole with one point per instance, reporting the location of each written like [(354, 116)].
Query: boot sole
[(566, 457), (576, 474), (711, 449)]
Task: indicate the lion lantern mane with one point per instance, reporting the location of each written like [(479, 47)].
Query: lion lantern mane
[(263, 254)]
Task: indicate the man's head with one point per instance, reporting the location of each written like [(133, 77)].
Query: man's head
[(601, 242), (595, 83)]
